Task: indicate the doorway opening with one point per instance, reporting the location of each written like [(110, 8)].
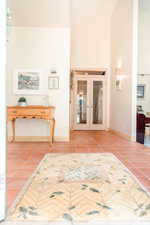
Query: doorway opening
[(143, 81), (89, 100)]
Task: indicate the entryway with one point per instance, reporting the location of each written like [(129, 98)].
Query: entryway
[(89, 101), (143, 78), (25, 157)]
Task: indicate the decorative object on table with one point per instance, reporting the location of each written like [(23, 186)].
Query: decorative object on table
[(29, 82), (140, 91), (53, 82), (99, 186), (22, 101)]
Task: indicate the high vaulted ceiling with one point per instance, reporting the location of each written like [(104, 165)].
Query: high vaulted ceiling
[(40, 13), (48, 13)]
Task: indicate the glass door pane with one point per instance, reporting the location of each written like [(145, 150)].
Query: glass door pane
[(81, 117), (97, 102)]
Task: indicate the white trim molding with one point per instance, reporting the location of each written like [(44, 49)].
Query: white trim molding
[(122, 135), (38, 139)]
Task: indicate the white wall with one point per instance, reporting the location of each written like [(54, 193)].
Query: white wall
[(90, 42), (144, 37), (38, 13), (144, 52), (90, 36), (31, 46), (41, 48), (90, 23), (122, 54)]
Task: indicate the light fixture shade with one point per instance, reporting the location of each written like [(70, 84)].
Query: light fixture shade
[(119, 72)]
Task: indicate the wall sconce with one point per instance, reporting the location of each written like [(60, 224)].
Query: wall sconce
[(120, 74), (119, 78)]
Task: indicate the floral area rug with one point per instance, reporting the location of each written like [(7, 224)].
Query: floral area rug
[(82, 188)]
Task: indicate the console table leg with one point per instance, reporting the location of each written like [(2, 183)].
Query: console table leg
[(51, 132), (13, 127)]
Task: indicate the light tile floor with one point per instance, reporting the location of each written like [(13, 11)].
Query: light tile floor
[(23, 158)]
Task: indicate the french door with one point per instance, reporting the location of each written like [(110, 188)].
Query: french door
[(89, 103)]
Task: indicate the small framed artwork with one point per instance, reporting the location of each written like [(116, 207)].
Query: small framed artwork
[(118, 85), (53, 82), (28, 82), (140, 91)]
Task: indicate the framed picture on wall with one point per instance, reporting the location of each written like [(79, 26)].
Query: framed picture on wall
[(53, 82), (28, 82), (140, 91)]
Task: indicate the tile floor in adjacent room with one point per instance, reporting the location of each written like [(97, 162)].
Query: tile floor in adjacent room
[(23, 158)]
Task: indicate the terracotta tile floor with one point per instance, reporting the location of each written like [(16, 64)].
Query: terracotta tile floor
[(23, 158)]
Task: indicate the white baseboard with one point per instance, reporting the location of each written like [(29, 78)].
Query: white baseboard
[(120, 134), (38, 139)]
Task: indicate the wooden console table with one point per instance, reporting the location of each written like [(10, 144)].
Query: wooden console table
[(32, 112)]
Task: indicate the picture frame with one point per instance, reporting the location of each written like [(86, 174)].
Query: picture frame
[(28, 82), (53, 82), (140, 91)]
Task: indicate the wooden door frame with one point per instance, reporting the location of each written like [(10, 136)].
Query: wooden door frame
[(106, 86)]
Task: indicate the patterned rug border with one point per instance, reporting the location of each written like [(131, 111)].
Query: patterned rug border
[(75, 223), (113, 222), (26, 185)]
